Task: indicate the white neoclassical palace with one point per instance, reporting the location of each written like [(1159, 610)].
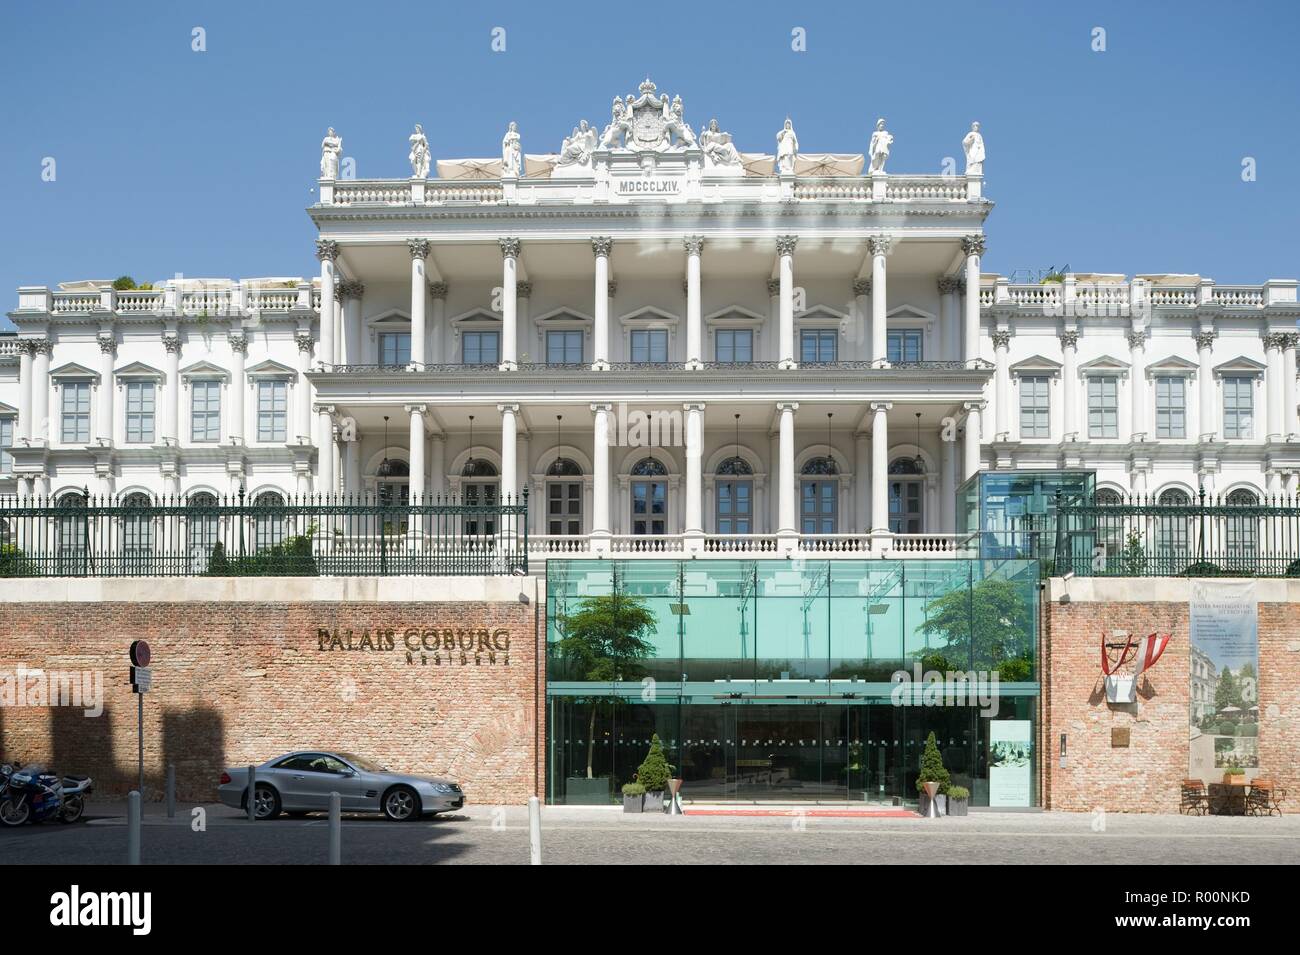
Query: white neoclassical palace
[(674, 345)]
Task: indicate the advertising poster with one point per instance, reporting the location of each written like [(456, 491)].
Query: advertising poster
[(1224, 697), (1011, 762)]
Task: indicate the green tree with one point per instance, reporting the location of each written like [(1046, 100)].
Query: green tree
[(655, 771), (124, 283), (604, 641), (996, 616), (1228, 691), (932, 768)]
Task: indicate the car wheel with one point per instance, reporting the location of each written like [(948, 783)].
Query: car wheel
[(401, 803), (12, 815), (266, 802)]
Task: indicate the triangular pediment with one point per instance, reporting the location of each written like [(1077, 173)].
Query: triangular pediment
[(1106, 364), (1036, 364), (817, 312), (1241, 365), (734, 313), (204, 369), (138, 369), (7, 409), (271, 369), (393, 316), (650, 315), (1173, 365), (73, 370), (475, 316), (558, 315)]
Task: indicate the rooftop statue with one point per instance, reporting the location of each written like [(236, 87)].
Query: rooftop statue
[(881, 140), (577, 148), (676, 124), (620, 124), (511, 157), (331, 148), (974, 146), (718, 148), (419, 155), (787, 148)]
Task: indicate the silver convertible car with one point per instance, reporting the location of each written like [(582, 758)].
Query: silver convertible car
[(299, 783)]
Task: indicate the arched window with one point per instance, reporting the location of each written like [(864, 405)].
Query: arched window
[(906, 496), (1107, 497), (1110, 527), (137, 532), (734, 497), (478, 468), (201, 529), (1172, 533), (268, 520), (819, 496), (1242, 530), (649, 493), (71, 534), (480, 487), (564, 497)]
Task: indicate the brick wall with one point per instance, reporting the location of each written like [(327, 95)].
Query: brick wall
[(240, 681), (1146, 775)]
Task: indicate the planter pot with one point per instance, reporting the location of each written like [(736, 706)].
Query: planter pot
[(958, 807), (923, 800), (581, 791), (654, 801), (633, 803), (1234, 779)]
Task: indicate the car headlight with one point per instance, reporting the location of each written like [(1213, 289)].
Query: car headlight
[(442, 788)]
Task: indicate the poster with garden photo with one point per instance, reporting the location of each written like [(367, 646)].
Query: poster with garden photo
[(1224, 697), (1011, 762)]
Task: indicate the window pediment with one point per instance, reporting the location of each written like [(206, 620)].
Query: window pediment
[(649, 317), (562, 319), (1036, 365), (823, 316), (204, 370), (1241, 366), (74, 372), (270, 369), (735, 316), (1105, 365), (1173, 366), (138, 371), (474, 320)]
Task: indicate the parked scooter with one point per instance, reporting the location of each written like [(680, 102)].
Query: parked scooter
[(34, 795)]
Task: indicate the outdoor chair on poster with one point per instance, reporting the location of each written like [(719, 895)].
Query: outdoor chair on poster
[(1264, 799), (1195, 800)]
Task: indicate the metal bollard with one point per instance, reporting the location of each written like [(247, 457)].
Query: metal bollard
[(534, 831), (252, 793), (171, 790), (133, 828), (336, 829)]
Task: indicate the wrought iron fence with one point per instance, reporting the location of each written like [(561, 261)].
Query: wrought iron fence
[(270, 535), (1204, 537)]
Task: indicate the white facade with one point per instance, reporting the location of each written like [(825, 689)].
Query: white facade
[(818, 348)]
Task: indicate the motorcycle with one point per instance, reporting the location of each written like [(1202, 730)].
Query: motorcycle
[(37, 796)]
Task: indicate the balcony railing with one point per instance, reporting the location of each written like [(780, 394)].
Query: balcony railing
[(649, 367), (1205, 537), (268, 536), (894, 546)]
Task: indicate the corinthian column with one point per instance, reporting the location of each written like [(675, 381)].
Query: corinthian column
[(1138, 383), (1273, 384), (1209, 424), (172, 389), (601, 246), (1069, 385), (107, 352), (1288, 383), (879, 246), (238, 352), (419, 249), (785, 251), (973, 247), (1002, 385), (694, 246), (509, 303), (327, 250)]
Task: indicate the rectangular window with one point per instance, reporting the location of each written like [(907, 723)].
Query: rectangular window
[(395, 348), (481, 348), (139, 412), (1171, 408), (650, 345), (903, 345), (1103, 407), (564, 347), (735, 346), (1035, 411), (272, 410), (76, 412), (205, 408), (1238, 407), (6, 442), (818, 344)]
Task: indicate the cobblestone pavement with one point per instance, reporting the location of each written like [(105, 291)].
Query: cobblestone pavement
[(485, 834)]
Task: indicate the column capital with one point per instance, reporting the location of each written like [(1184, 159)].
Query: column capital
[(171, 342), (790, 406), (862, 286), (524, 289), (327, 249), (1069, 339), (42, 346), (323, 409), (304, 340), (350, 289), (773, 287), (693, 406), (415, 409), (785, 244), (973, 244), (1205, 339), (509, 247), (419, 249), (1289, 340), (1136, 339), (1274, 340), (238, 343), (602, 245), (950, 285), (438, 290), (974, 407), (598, 407), (879, 244), (694, 244), (508, 408), (882, 406), (107, 343), (1001, 338)]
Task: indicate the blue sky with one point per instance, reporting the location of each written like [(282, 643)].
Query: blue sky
[(168, 160)]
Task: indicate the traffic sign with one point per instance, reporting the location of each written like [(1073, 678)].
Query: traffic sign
[(141, 679), (140, 653)]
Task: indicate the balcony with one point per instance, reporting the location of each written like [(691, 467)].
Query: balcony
[(1134, 297)]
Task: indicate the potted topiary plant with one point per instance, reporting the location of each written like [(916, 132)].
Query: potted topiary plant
[(654, 774), (932, 771), (958, 800), (633, 797), (1234, 776)]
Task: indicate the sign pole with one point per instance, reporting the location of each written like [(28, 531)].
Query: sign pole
[(141, 681), (139, 719)]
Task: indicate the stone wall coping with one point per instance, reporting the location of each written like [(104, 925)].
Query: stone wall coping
[(287, 590), (1160, 589)]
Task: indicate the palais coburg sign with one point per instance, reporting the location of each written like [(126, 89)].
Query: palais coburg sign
[(439, 646)]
